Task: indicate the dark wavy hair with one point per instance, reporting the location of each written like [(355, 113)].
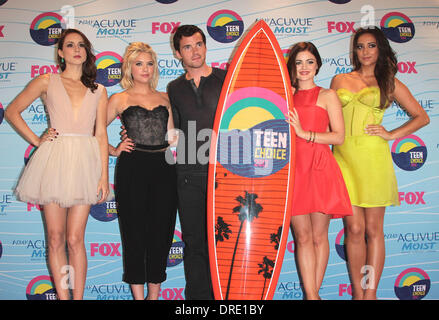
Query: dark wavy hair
[(89, 69), (386, 66), (186, 30), (291, 64)]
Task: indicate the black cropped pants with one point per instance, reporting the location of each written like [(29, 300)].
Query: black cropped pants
[(146, 196), (192, 206)]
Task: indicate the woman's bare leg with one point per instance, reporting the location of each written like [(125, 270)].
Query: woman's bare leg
[(355, 244), (305, 254), (376, 252), (76, 222), (56, 220), (320, 225)]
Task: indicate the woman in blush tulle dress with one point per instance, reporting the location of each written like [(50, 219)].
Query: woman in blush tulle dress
[(319, 189), (69, 170)]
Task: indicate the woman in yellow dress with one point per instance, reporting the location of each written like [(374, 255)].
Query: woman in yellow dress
[(364, 157)]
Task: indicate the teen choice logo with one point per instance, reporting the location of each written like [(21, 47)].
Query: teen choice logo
[(41, 288), (2, 113), (412, 284), (409, 153), (109, 68), (254, 138), (225, 26), (340, 1), (339, 244), (28, 153), (285, 54), (397, 27), (46, 28), (175, 256), (106, 211)]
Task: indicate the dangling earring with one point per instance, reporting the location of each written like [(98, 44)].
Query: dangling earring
[(62, 60)]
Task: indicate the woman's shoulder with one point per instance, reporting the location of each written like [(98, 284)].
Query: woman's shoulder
[(160, 98), (328, 98), (40, 83), (101, 89), (344, 80), (164, 96), (118, 96), (327, 93), (43, 79), (345, 76), (119, 100)]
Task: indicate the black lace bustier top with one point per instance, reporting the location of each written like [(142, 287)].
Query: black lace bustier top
[(147, 128)]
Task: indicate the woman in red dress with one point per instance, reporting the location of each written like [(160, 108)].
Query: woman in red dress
[(319, 190)]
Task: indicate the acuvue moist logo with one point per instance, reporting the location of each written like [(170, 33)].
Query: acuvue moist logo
[(397, 27), (412, 284), (110, 28), (109, 66), (409, 153), (225, 26), (46, 28), (7, 68)]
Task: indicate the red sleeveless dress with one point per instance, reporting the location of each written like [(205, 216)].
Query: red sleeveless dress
[(319, 184)]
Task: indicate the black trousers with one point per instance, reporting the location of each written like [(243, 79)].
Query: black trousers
[(192, 206), (146, 196)]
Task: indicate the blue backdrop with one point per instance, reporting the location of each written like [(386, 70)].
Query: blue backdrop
[(28, 32)]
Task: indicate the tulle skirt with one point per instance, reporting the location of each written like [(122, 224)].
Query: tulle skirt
[(65, 171)]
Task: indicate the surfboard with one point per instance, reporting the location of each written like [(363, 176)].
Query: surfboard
[(251, 171)]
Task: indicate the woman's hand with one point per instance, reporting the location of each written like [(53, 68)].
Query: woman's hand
[(293, 119), (378, 130), (103, 189), (48, 135), (126, 145)]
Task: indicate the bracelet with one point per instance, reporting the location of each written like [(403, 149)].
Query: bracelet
[(313, 137), (310, 136)]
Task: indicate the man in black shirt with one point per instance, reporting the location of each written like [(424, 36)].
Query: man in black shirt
[(194, 95)]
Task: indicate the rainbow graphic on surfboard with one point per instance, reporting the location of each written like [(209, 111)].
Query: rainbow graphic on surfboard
[(251, 171), (256, 116)]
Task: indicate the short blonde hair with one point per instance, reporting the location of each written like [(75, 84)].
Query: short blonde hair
[(131, 53)]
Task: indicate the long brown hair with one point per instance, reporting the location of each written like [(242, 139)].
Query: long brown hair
[(291, 64), (386, 66), (89, 70)]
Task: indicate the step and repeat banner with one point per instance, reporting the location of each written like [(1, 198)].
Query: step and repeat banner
[(29, 31)]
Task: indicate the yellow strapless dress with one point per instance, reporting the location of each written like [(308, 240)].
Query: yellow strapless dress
[(365, 161)]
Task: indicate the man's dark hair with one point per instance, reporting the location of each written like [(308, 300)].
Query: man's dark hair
[(186, 30)]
